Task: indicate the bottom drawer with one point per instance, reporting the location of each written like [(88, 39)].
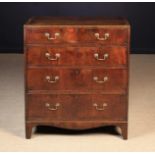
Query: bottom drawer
[(76, 107)]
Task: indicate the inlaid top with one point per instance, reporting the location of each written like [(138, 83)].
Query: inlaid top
[(81, 21)]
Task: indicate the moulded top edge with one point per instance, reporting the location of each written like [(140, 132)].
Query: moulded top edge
[(77, 21)]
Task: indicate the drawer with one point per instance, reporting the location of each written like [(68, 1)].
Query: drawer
[(82, 79), (76, 107), (54, 35), (101, 56)]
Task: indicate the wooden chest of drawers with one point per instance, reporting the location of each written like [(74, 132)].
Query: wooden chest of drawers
[(76, 72)]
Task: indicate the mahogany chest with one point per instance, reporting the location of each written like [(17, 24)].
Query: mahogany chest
[(76, 72)]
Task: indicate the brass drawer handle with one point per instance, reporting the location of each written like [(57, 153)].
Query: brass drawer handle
[(105, 56), (95, 78), (47, 35), (52, 107), (52, 79), (100, 108), (105, 37), (49, 57)]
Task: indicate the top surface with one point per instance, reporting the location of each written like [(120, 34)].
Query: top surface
[(51, 21)]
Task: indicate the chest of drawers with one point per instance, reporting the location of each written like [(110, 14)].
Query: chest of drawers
[(76, 72)]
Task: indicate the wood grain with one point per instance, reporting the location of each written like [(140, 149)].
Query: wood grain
[(77, 107), (118, 36), (76, 91), (72, 56), (77, 79)]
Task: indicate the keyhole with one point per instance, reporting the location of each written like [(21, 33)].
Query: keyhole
[(77, 71)]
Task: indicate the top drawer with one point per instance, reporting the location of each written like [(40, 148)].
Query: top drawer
[(55, 35)]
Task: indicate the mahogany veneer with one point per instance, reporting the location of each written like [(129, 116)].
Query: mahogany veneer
[(76, 72)]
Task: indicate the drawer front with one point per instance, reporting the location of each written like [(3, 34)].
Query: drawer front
[(100, 56), (53, 35), (106, 80), (76, 107)]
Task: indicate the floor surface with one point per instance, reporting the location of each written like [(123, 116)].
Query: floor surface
[(141, 114)]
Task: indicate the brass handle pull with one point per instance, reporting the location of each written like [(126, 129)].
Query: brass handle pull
[(105, 56), (52, 79), (95, 78), (105, 37), (99, 107), (47, 35), (52, 107), (49, 57)]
